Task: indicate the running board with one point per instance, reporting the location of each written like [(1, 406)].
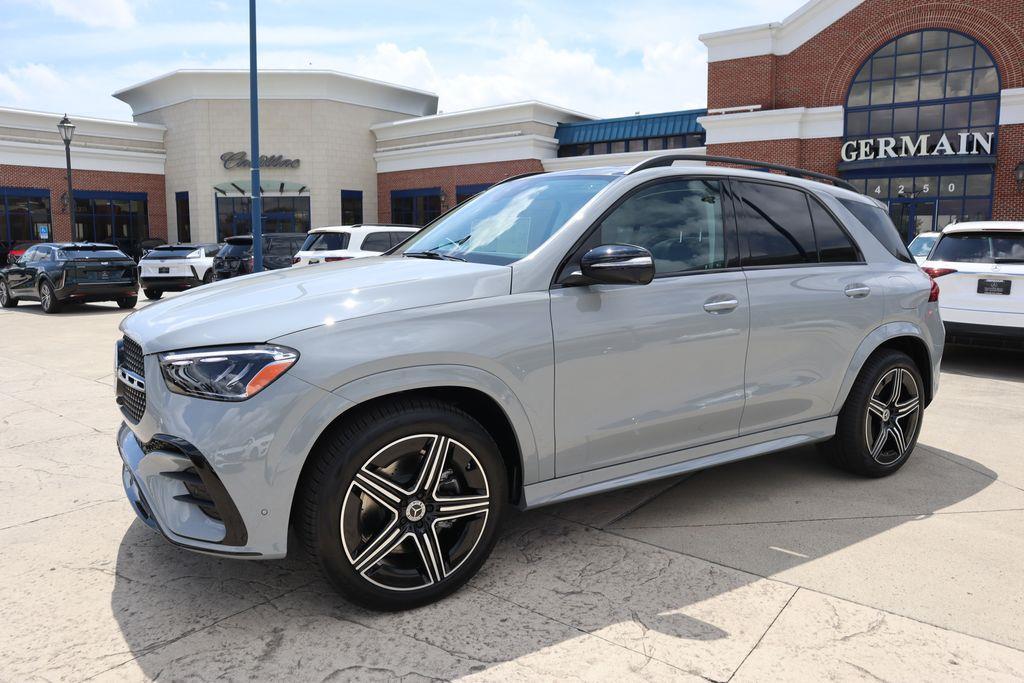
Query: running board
[(672, 464)]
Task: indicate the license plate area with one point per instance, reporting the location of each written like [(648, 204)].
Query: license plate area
[(997, 287), (163, 270)]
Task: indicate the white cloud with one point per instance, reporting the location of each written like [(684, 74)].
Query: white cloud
[(94, 13)]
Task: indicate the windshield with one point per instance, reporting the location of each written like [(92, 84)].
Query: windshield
[(326, 241), (987, 247), (921, 245), (509, 221)]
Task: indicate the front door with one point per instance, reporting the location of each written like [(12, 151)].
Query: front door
[(642, 370), (912, 217)]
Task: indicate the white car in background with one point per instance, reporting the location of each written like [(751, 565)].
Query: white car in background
[(922, 245), (176, 267), (350, 241), (979, 268)]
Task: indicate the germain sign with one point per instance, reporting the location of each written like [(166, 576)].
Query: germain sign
[(233, 160), (962, 144)]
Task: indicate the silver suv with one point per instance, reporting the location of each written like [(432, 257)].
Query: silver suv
[(560, 335)]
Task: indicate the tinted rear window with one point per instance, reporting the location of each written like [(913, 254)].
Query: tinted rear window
[(236, 250), (169, 252), (107, 254), (326, 241), (880, 225), (376, 241), (989, 247)]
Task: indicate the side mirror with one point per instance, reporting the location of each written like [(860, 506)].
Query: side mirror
[(618, 264)]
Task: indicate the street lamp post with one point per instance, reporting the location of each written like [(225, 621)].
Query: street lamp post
[(67, 131), (256, 204)]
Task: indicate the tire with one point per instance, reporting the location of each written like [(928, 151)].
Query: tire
[(48, 298), (878, 428), (390, 540), (208, 278), (127, 302), (7, 299), (153, 294)]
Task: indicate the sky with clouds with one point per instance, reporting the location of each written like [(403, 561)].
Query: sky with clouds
[(603, 58)]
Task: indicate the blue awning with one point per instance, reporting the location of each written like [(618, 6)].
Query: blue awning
[(631, 127)]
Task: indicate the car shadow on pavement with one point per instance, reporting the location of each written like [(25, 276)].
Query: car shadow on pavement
[(32, 308), (574, 581), (1004, 364)]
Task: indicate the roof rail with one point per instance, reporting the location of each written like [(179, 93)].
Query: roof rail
[(668, 159)]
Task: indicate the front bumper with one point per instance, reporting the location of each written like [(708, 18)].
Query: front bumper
[(184, 453)]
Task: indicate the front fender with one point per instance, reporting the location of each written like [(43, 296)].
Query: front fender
[(426, 376), (876, 338)]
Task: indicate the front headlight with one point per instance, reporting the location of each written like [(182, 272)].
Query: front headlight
[(228, 373)]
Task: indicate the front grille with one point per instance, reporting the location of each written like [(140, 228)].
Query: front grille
[(131, 400), (133, 357)]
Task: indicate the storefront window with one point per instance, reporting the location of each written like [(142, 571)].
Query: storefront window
[(415, 207), (25, 215), (184, 217), (351, 207), (119, 218), (280, 214)]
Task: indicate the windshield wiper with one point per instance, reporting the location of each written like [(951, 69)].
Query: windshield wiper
[(432, 254)]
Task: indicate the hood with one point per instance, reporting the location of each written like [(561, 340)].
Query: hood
[(261, 307)]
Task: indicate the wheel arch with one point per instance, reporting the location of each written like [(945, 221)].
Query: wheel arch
[(901, 336)]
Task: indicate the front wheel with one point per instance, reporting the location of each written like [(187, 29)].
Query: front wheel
[(48, 298), (7, 299), (153, 294), (403, 503), (881, 420)]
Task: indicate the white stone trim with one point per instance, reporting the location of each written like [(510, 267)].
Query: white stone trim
[(82, 158), (275, 84), (777, 38), (1011, 106), (774, 124), (445, 141), (511, 148), (46, 122), (501, 115), (618, 159)]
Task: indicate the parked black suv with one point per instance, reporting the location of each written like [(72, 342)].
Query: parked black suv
[(56, 274), (235, 257)]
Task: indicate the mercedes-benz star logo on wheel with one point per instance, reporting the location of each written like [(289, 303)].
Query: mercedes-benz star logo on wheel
[(415, 510)]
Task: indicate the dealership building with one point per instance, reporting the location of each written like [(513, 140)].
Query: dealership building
[(920, 104)]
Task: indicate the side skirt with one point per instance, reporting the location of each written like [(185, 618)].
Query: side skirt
[(583, 484)]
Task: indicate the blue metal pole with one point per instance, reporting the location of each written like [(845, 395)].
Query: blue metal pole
[(256, 205)]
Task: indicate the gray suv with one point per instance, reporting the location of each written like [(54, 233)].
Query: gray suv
[(557, 336)]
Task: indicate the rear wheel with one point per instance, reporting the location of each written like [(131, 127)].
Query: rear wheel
[(48, 298), (7, 299), (403, 503), (127, 302), (881, 420), (153, 294), (208, 278)]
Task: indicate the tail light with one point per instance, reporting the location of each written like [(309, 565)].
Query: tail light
[(295, 259), (329, 259), (933, 295), (252, 264), (938, 272)]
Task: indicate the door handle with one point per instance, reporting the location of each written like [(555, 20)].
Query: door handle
[(857, 291), (720, 305)]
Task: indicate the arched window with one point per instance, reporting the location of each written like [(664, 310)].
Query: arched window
[(930, 86)]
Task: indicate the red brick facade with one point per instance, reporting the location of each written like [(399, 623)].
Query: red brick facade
[(55, 179), (819, 73), (448, 178)]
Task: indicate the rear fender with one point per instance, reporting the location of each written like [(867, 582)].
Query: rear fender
[(870, 344)]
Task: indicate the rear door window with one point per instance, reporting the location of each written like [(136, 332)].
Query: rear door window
[(377, 241), (880, 225), (326, 241), (834, 245), (775, 225)]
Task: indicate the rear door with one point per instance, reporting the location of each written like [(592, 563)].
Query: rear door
[(813, 300), (985, 282)]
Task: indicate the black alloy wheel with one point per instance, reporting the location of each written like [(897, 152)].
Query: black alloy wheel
[(404, 504), (48, 298), (7, 299), (881, 420)]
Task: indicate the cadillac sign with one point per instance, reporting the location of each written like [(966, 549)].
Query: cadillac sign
[(241, 160), (962, 144)]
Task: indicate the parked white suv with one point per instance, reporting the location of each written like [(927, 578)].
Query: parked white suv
[(980, 269), (176, 267), (351, 241)]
